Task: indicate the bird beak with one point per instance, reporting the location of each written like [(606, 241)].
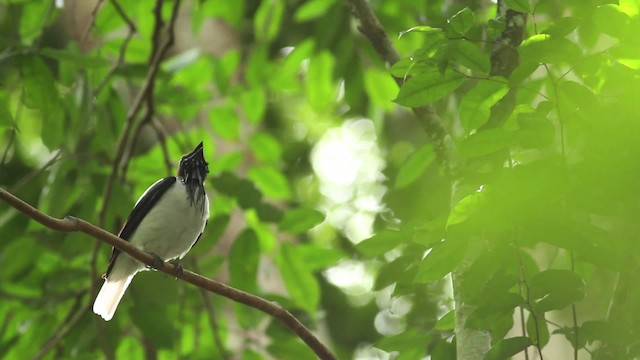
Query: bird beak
[(198, 152)]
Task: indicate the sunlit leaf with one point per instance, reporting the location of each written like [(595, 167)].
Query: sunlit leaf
[(270, 181), (441, 260), (428, 87), (476, 104), (462, 21), (265, 147), (611, 20), (562, 27), (519, 5), (422, 29), (268, 19), (414, 166), (300, 219), (501, 305), (381, 242), (312, 9), (320, 88), (469, 55), (300, 283)]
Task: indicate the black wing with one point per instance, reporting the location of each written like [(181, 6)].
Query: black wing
[(148, 200)]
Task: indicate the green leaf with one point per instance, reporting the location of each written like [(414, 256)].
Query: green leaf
[(428, 87), (320, 87), (381, 242), (74, 56), (562, 27), (522, 6), (317, 258), (244, 258), (476, 104), (225, 122), (469, 55), (241, 189), (462, 21), (301, 285), (270, 181), (487, 142), (414, 166), (630, 7), (401, 270), (409, 66), (611, 20), (312, 9), (447, 322), (254, 103), (268, 19), (554, 280), (507, 348), (300, 219), (500, 305), (537, 329), (154, 294), (495, 27), (6, 119), (422, 29), (265, 147), (579, 95), (441, 260), (466, 207), (544, 48)]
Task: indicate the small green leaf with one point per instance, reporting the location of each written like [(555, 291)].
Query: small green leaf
[(270, 181), (466, 207), (469, 55), (401, 270), (562, 27), (538, 329), (301, 285), (499, 306), (442, 259), (408, 67), (317, 258), (381, 242), (428, 87), (495, 26), (507, 348), (579, 95), (522, 6), (476, 104), (225, 122), (414, 166), (244, 258), (243, 190), (300, 219), (320, 88), (462, 21), (265, 147), (312, 9), (630, 7), (544, 48), (422, 29), (447, 322), (487, 142), (268, 19), (254, 103)]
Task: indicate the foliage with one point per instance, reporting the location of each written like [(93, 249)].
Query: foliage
[(327, 195)]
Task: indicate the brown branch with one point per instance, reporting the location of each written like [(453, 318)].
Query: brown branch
[(370, 27), (72, 224), (92, 20)]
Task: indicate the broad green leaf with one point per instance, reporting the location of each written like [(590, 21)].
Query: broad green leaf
[(270, 181), (495, 26), (630, 7), (409, 66), (441, 260), (301, 285), (579, 94), (611, 20), (428, 87), (404, 342), (507, 348), (469, 55), (380, 87), (265, 147), (241, 189), (538, 329), (268, 213), (462, 21), (154, 294), (544, 48), (447, 322), (225, 122), (422, 29), (317, 258), (401, 270), (489, 314), (466, 207), (519, 5), (381, 242), (244, 258), (268, 19), (300, 219), (562, 27), (254, 103), (320, 87), (312, 9), (554, 280), (476, 104), (487, 142), (75, 57), (414, 166)]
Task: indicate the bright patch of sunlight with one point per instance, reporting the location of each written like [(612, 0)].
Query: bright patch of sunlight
[(354, 278), (349, 163)]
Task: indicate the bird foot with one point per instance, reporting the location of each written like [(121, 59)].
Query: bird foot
[(179, 270), (157, 262)]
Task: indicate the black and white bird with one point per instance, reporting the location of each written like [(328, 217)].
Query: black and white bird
[(167, 221)]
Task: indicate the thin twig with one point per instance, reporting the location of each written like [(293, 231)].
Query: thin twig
[(213, 321), (12, 137), (35, 172), (72, 224), (92, 20), (370, 27), (71, 320), (123, 47), (162, 139)]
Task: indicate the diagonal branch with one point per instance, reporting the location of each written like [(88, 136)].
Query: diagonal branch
[(370, 27), (72, 224)]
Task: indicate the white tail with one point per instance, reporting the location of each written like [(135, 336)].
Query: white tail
[(109, 296)]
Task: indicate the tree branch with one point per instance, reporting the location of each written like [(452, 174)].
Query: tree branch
[(72, 224), (370, 27)]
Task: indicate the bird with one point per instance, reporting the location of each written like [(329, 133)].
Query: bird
[(166, 221)]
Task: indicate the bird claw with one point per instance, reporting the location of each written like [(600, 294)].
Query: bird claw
[(179, 271), (157, 262)]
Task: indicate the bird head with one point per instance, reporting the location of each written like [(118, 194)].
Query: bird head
[(193, 168)]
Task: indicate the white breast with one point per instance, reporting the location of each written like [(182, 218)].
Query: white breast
[(172, 226)]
